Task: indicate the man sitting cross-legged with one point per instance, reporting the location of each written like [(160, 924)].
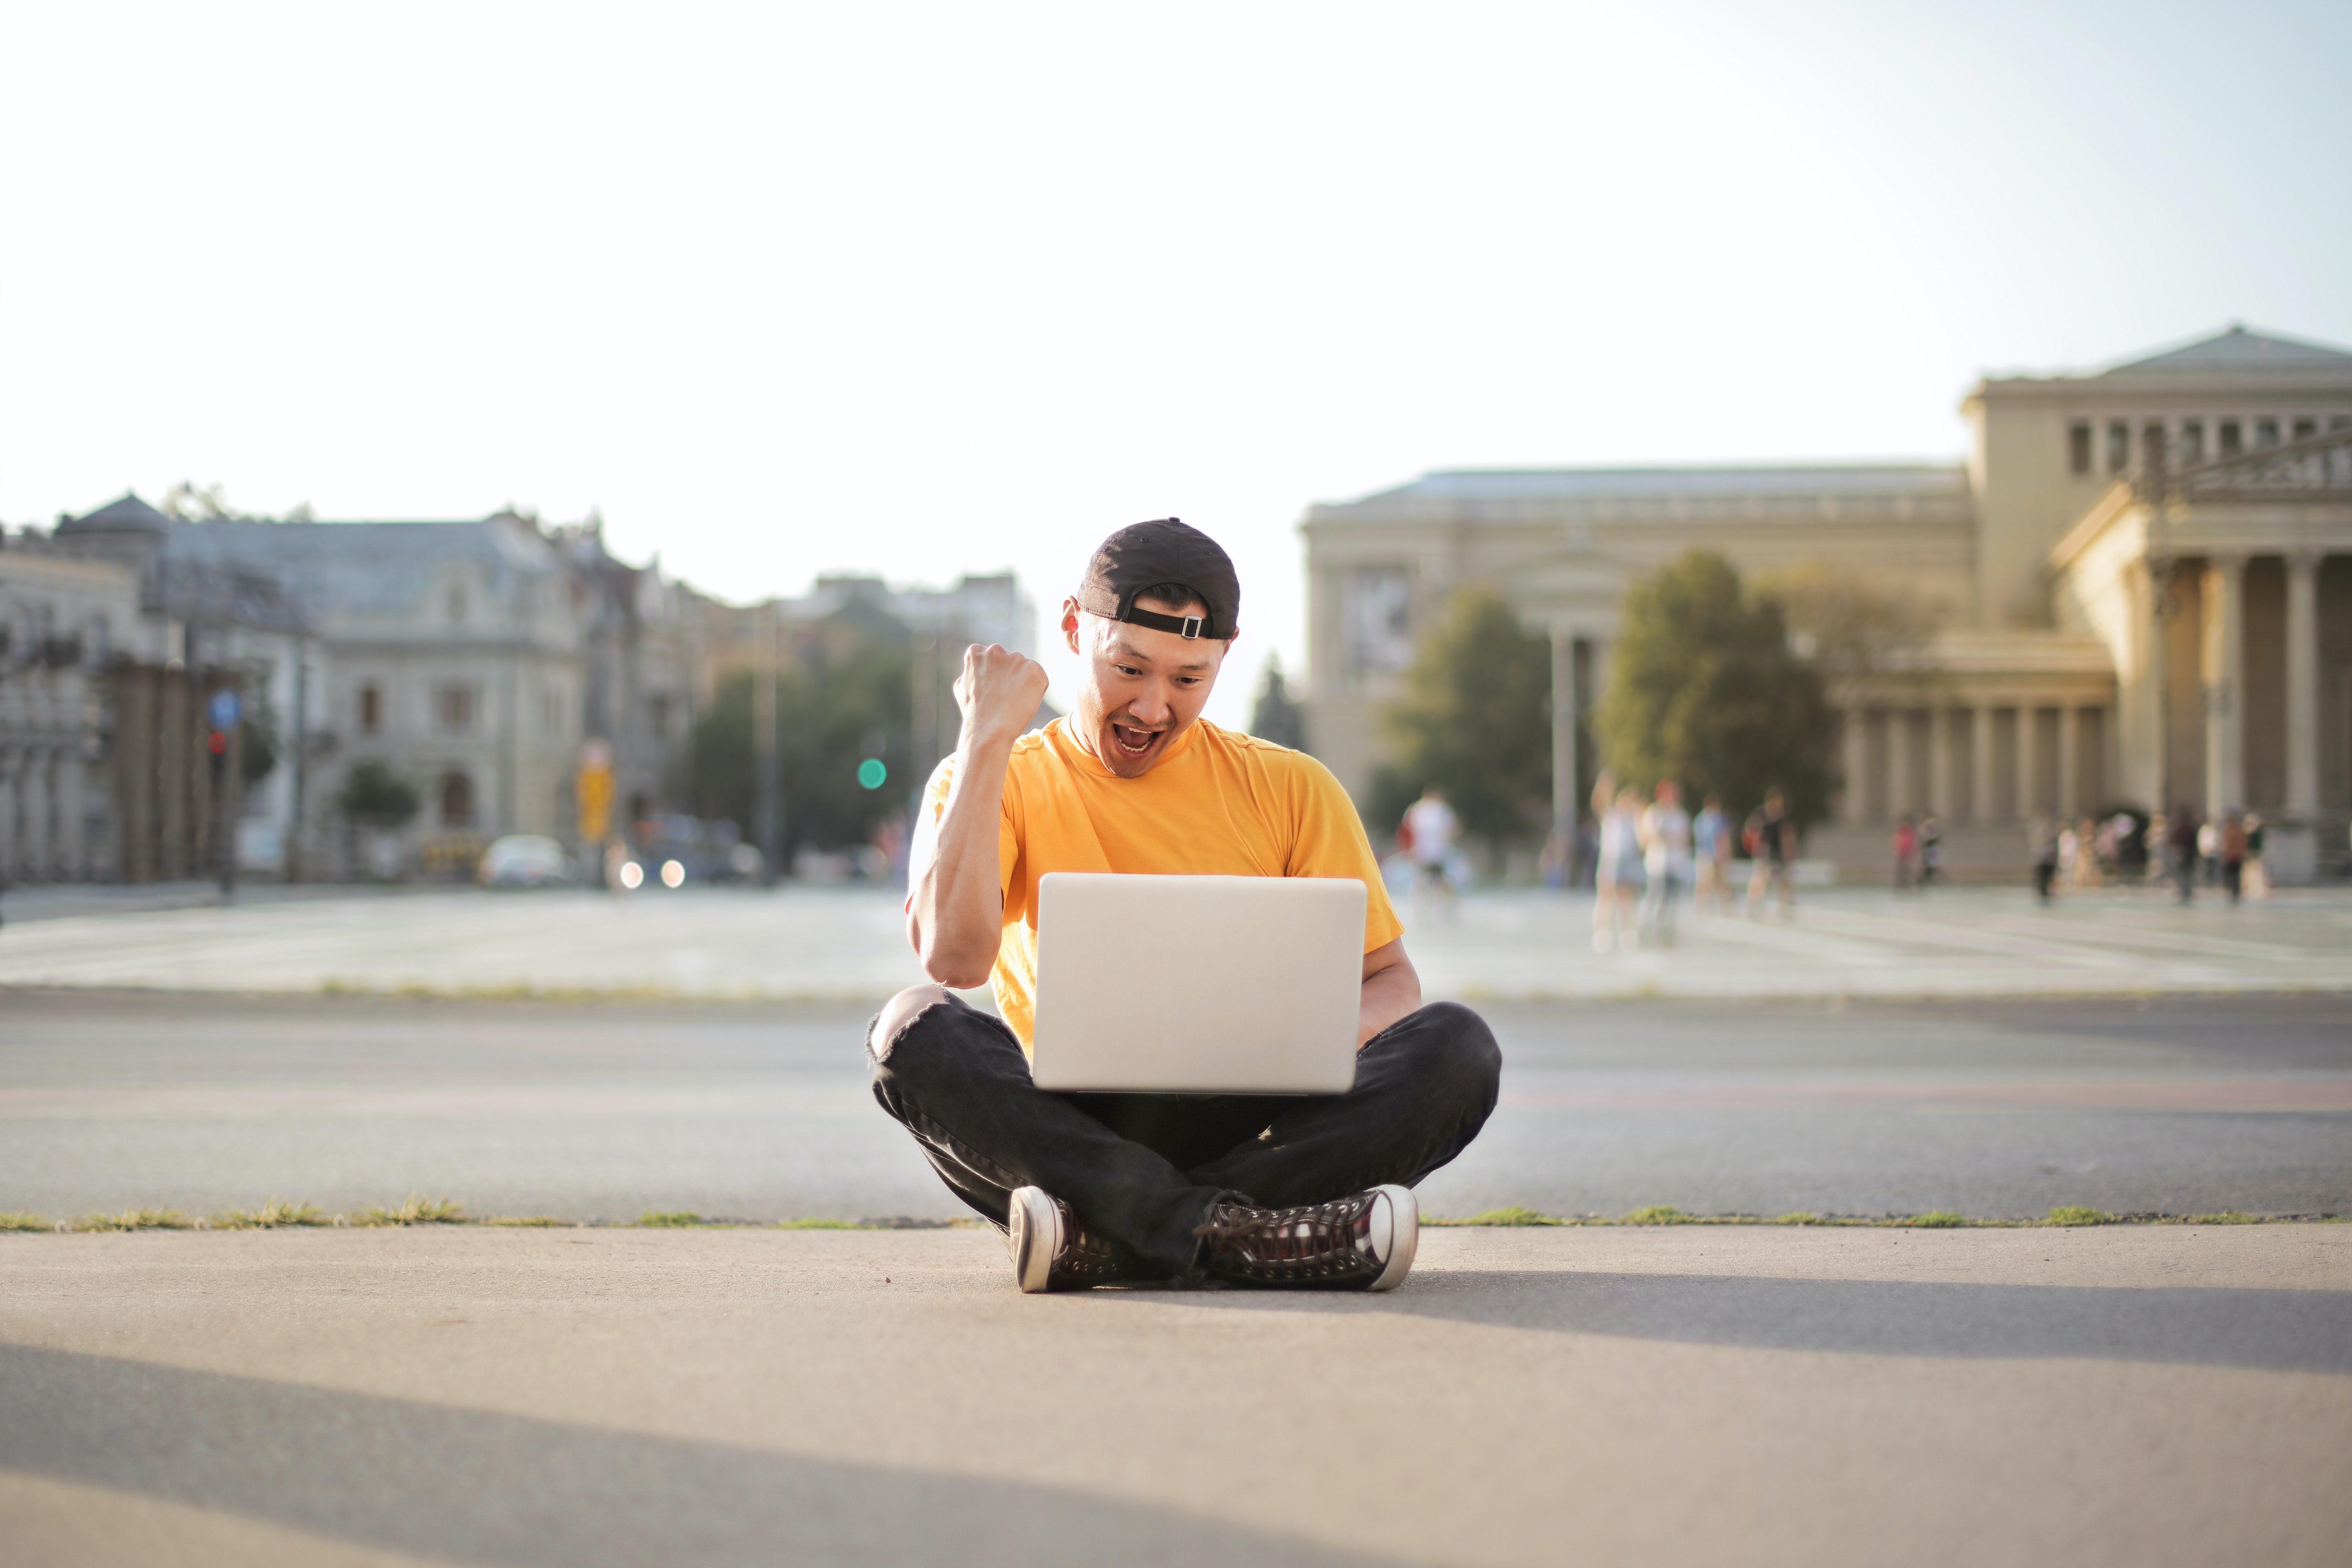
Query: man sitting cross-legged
[(1091, 1189)]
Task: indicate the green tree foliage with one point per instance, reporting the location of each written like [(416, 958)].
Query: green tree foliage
[(1276, 717), (373, 796), (840, 702), (1474, 721), (1705, 689)]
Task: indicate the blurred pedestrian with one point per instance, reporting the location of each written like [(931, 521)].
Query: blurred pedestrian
[(1431, 828), (2042, 850), (2180, 851), (1906, 855), (1711, 850), (2209, 853), (1931, 850), (2086, 870), (1773, 843), (1666, 857), (2232, 850), (1617, 882), (2258, 875)]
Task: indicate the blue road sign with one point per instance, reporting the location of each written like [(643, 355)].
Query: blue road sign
[(226, 710)]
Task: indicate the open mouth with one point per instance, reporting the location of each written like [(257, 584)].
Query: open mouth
[(1133, 742)]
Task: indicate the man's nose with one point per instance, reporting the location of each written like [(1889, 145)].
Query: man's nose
[(1151, 705)]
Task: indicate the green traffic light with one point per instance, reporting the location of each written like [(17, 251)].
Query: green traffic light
[(871, 773)]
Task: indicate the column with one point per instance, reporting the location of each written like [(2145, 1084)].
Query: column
[(1980, 762), (2069, 762), (2157, 678), (1854, 804), (1939, 762), (2029, 759), (1563, 732), (2303, 684), (2225, 654), (1899, 787)]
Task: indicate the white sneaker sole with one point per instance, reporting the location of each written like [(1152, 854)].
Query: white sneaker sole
[(1034, 1235), (1401, 1215)]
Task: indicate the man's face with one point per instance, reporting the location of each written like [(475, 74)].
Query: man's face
[(1142, 687)]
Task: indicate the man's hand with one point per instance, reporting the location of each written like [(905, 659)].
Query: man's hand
[(999, 692), (955, 907)]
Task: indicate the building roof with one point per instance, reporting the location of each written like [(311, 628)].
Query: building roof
[(368, 568), (1857, 479), (129, 513), (2239, 350)]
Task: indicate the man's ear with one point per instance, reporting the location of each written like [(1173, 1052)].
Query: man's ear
[(1070, 624)]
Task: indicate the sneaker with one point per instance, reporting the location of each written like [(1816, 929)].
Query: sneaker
[(1360, 1243), (1052, 1251)]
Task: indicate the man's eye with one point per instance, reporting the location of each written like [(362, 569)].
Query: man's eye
[(1127, 669)]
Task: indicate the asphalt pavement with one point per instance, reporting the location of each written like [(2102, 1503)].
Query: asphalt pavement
[(2147, 1396), (760, 1111)]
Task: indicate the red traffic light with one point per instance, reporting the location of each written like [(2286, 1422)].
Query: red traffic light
[(216, 743)]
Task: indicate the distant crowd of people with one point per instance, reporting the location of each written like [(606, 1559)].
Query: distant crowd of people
[(1650, 853), (2078, 854)]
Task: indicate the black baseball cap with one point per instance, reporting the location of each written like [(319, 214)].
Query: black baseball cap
[(1149, 554)]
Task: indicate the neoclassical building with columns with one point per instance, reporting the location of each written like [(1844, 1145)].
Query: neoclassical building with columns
[(2139, 582)]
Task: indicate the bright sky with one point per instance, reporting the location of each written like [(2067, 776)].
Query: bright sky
[(916, 290)]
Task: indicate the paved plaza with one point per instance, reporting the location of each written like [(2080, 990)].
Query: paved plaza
[(849, 943), (1990, 1107), (2126, 1395), (2141, 1396)]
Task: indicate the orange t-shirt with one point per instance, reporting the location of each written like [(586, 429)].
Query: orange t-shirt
[(1218, 804)]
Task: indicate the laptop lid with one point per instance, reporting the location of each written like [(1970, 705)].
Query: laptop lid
[(1206, 985)]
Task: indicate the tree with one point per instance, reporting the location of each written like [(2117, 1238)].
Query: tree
[(844, 700), (1849, 626), (1705, 689), (1276, 717), (373, 796), (1474, 721)]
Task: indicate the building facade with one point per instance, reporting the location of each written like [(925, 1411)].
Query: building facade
[(470, 659), (2139, 587)]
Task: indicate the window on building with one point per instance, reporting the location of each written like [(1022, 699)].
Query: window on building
[(2119, 446), (2192, 442), (370, 710), (657, 715), (551, 711), (456, 792), (2151, 447), (2339, 422), (2305, 428), (1379, 618), (2233, 440), (2078, 446), (456, 603), (453, 707), (2267, 433)]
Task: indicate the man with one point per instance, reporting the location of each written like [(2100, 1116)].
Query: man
[(1431, 830), (1711, 836), (1774, 836), (1094, 1189), (1666, 857)]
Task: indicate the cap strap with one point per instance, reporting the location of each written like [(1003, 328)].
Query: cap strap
[(1188, 627)]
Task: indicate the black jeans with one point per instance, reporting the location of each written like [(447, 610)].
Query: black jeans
[(1144, 1168)]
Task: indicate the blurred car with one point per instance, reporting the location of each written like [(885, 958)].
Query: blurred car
[(525, 860), (678, 850)]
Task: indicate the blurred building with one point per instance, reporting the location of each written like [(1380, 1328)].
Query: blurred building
[(472, 659), (2141, 583), (61, 625)]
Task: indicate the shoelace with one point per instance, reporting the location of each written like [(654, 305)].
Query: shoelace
[(1314, 1238)]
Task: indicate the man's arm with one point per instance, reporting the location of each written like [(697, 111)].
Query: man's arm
[(956, 909), (1391, 989)]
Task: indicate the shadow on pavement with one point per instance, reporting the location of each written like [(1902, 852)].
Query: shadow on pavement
[(478, 1486), (2277, 1331)]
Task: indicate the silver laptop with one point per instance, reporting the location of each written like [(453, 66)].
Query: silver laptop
[(1198, 984)]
